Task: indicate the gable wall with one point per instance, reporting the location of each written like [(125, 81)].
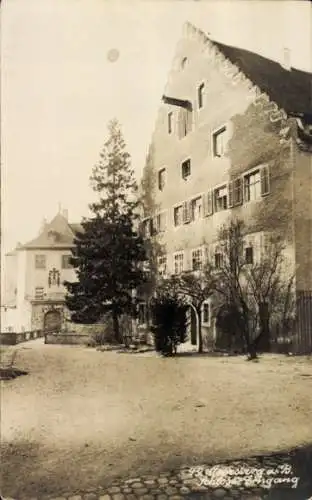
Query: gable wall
[(225, 103), (39, 277)]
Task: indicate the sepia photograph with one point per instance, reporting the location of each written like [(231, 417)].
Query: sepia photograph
[(156, 250)]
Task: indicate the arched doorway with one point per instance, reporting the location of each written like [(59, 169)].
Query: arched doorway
[(191, 343), (228, 336), (52, 321)]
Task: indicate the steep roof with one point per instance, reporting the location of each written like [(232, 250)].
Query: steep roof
[(76, 227), (56, 234), (290, 89)]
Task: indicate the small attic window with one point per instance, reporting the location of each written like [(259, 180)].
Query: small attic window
[(184, 62), (54, 236)]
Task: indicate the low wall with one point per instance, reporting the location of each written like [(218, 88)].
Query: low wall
[(67, 338), (81, 329), (75, 334), (13, 338)]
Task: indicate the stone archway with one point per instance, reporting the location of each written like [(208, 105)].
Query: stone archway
[(52, 321)]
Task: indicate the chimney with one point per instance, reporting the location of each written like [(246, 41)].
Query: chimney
[(286, 60), (65, 214)]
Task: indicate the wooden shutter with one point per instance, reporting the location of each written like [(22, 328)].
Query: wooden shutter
[(210, 202), (162, 221), (184, 212), (265, 180), (231, 194), (156, 224), (205, 204), (207, 201), (186, 217), (246, 194), (153, 225), (181, 123), (147, 227), (238, 191), (240, 194), (188, 213), (266, 244), (189, 120)]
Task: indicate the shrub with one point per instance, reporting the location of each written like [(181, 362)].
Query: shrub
[(169, 323)]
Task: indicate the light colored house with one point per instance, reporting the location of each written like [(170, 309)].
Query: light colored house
[(233, 139), (34, 295)]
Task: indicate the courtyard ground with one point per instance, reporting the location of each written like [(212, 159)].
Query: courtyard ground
[(81, 417)]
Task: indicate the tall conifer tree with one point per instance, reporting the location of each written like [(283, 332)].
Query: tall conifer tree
[(108, 253)]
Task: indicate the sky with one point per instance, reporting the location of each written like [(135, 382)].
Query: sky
[(59, 90)]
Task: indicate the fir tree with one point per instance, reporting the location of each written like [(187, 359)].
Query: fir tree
[(108, 253)]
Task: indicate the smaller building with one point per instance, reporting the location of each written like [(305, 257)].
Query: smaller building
[(34, 273)]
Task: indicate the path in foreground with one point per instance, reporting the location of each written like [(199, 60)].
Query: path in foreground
[(82, 419), (273, 477)]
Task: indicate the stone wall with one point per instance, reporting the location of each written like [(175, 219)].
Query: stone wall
[(68, 338), (81, 329), (75, 334), (13, 338)]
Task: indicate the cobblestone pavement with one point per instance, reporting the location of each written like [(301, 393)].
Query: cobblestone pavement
[(252, 479)]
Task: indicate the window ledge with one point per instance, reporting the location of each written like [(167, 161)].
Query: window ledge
[(253, 201)]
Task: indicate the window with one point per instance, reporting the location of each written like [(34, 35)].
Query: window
[(252, 186), (197, 259), (40, 261), (154, 225), (186, 169), (161, 222), (161, 179), (178, 215), (178, 262), (208, 203), (200, 95), (206, 313), (249, 255), (219, 142), (170, 117), (257, 184), (196, 208), (221, 199), (162, 265), (39, 291), (218, 260), (66, 262), (184, 122)]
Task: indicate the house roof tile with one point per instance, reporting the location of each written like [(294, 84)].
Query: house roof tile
[(56, 234), (290, 89)]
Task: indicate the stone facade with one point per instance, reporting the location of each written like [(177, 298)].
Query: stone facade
[(34, 297), (223, 150)]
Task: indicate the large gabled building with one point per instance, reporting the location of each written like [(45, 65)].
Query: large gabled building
[(34, 294), (233, 139)]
